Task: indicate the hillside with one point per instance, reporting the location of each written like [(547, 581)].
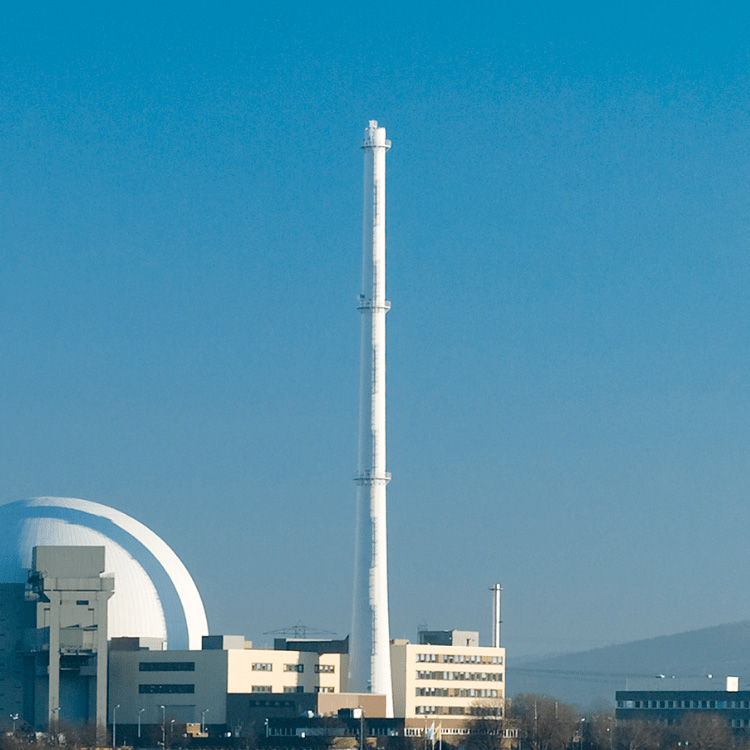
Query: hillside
[(587, 677)]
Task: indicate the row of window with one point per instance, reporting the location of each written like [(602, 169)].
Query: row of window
[(421, 731), (264, 666), (459, 658), (475, 676), (166, 688), (461, 692), (286, 689), (370, 731), (443, 710), (683, 704), (166, 666)]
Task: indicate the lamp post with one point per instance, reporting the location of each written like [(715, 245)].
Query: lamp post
[(171, 731), (163, 727), (580, 743), (203, 719), (114, 726), (14, 719), (140, 711)]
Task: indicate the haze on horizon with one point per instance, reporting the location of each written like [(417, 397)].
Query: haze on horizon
[(568, 268)]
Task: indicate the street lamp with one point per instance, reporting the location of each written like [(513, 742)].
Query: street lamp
[(361, 728), (114, 726), (163, 727), (14, 719), (580, 743), (140, 711), (203, 719)]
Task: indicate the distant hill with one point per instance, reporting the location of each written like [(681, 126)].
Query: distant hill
[(590, 677)]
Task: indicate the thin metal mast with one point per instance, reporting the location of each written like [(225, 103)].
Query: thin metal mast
[(497, 621), (370, 658)]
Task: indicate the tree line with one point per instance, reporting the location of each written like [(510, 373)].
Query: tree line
[(544, 723)]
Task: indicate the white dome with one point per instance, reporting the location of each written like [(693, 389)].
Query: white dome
[(154, 595)]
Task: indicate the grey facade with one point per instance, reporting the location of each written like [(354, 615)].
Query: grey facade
[(16, 616), (670, 706), (53, 640)]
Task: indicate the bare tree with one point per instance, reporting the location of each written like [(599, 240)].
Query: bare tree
[(600, 730), (544, 723), (705, 731), (636, 734), (486, 726)]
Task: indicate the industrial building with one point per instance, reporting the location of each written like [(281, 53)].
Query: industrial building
[(447, 674), (55, 630), (229, 686), (155, 598), (99, 577), (54, 640), (669, 699)]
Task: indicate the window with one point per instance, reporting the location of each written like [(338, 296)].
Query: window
[(294, 667), (321, 689), (82, 602), (260, 689), (294, 689), (166, 666), (324, 669), (262, 666), (166, 688)]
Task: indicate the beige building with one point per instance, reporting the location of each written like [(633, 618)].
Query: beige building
[(191, 686), (446, 682), (229, 684)]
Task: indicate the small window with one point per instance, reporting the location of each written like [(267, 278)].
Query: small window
[(166, 689), (82, 602), (166, 666), (294, 667)]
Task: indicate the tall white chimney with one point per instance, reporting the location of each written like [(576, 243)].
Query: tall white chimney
[(369, 646)]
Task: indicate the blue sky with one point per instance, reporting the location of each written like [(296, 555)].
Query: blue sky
[(180, 229)]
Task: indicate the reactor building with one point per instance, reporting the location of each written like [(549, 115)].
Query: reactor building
[(155, 597)]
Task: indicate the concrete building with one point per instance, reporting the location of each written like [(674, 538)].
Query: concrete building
[(218, 684), (16, 616), (437, 678), (668, 699), (232, 687), (55, 639)]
